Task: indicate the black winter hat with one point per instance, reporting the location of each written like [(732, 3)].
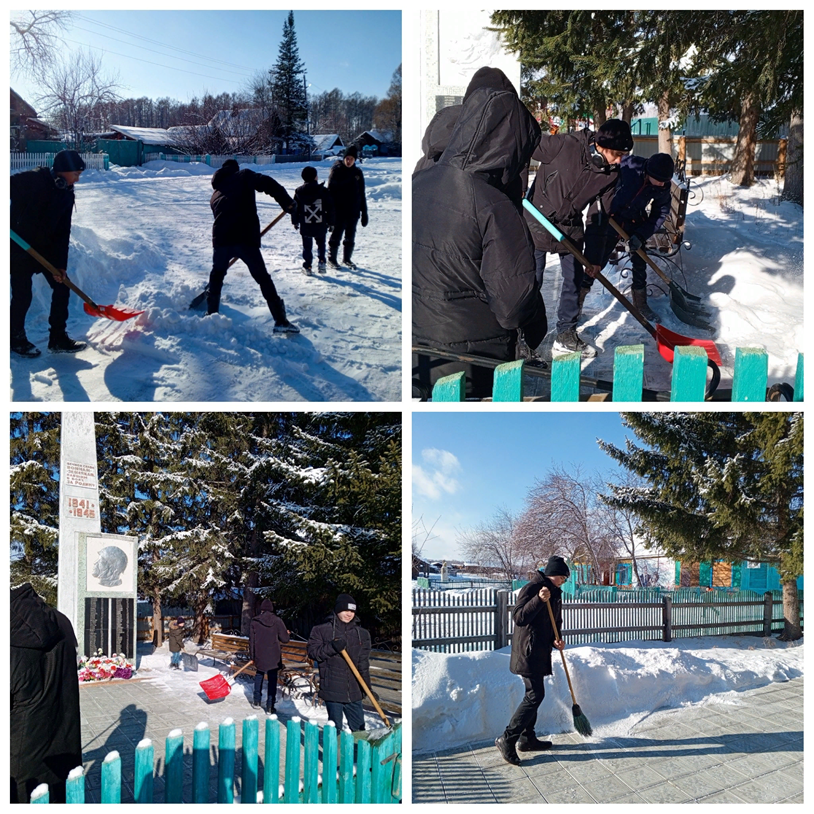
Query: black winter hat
[(615, 135), (345, 602), (231, 165), (352, 150), (179, 620), (266, 605), (309, 174), (557, 567), (68, 161), (660, 166)]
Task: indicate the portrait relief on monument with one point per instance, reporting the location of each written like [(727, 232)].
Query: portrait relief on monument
[(110, 566)]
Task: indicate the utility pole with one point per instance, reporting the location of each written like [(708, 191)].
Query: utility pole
[(307, 114)]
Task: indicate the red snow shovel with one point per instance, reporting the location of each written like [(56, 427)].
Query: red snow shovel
[(218, 687), (106, 311), (666, 340)]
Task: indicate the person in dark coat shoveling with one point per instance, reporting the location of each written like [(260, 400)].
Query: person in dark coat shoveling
[(532, 643), (176, 642), (338, 687), (266, 633), (46, 741)]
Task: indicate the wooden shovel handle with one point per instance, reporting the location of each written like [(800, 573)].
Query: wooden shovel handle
[(247, 664), (557, 636), (640, 251), (364, 686), (276, 220)]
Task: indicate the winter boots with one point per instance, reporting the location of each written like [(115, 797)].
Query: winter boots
[(281, 323), (570, 342), (22, 347), (507, 750), (62, 343), (640, 301), (306, 269), (349, 263), (532, 744)]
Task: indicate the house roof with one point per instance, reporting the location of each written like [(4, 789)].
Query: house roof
[(146, 135), (382, 136), (324, 141)]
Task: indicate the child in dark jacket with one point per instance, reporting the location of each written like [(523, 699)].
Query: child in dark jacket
[(176, 642), (313, 215)]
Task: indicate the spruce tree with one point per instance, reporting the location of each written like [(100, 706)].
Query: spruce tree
[(721, 486), (288, 90)]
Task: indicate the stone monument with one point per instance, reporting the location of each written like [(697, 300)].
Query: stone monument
[(97, 572)]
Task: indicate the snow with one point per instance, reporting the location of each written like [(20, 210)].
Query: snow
[(141, 238), (470, 697), (746, 264)]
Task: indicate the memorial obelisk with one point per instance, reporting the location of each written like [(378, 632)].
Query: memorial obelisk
[(97, 572)]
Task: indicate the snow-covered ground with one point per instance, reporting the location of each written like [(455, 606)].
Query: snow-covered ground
[(186, 684), (470, 697), (142, 238), (746, 264)]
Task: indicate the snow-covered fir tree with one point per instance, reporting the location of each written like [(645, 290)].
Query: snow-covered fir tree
[(288, 90)]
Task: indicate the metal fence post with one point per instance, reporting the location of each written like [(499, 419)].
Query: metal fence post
[(501, 619), (667, 619), (768, 612)]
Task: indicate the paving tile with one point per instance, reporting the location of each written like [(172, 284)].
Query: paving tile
[(728, 796), (640, 778), (568, 795), (516, 791), (665, 793), (606, 790)]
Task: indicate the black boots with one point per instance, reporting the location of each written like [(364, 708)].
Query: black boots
[(531, 744), (507, 750), (281, 323), (22, 347), (62, 343)]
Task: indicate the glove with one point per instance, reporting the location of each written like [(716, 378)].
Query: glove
[(339, 645), (364, 218), (296, 227), (634, 244)]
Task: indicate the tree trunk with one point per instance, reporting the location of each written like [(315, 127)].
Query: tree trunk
[(793, 182), (791, 612), (743, 165), (627, 112), (158, 618), (599, 119), (249, 600), (665, 133)]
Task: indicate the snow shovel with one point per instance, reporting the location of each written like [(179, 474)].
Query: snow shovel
[(365, 688), (219, 687), (666, 340), (190, 661), (91, 308), (683, 304), (200, 300)]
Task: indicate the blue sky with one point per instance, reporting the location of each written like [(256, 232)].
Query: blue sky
[(349, 50), (466, 465)]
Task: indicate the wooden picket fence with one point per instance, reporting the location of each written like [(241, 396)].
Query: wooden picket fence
[(27, 161), (373, 777), (689, 382)]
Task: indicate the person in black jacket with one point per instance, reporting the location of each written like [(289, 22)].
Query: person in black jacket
[(575, 170), (266, 633), (346, 183), (236, 233), (338, 687), (313, 215), (532, 642), (46, 741), (641, 203), (42, 202), (474, 287)]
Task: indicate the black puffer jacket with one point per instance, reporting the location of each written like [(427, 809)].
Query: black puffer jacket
[(315, 209), (266, 632), (473, 261), (336, 680), (234, 206), (347, 187), (46, 742), (567, 182), (533, 636), (41, 215)]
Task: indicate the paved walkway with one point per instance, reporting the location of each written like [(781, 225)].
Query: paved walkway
[(747, 752)]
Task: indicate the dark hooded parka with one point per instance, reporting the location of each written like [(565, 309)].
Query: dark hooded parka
[(336, 680), (473, 262), (570, 177), (46, 742), (533, 637), (266, 632)]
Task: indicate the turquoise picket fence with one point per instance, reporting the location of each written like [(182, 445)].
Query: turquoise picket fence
[(369, 771), (689, 382)]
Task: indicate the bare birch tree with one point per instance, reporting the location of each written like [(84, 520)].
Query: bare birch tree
[(36, 38), (492, 544)]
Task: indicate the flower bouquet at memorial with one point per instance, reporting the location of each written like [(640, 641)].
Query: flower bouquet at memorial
[(103, 668)]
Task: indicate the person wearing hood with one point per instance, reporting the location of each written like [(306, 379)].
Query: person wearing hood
[(576, 169), (42, 203), (641, 203), (266, 633), (532, 642), (474, 289), (46, 740), (313, 215), (338, 686), (236, 234), (346, 183), (176, 637)]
